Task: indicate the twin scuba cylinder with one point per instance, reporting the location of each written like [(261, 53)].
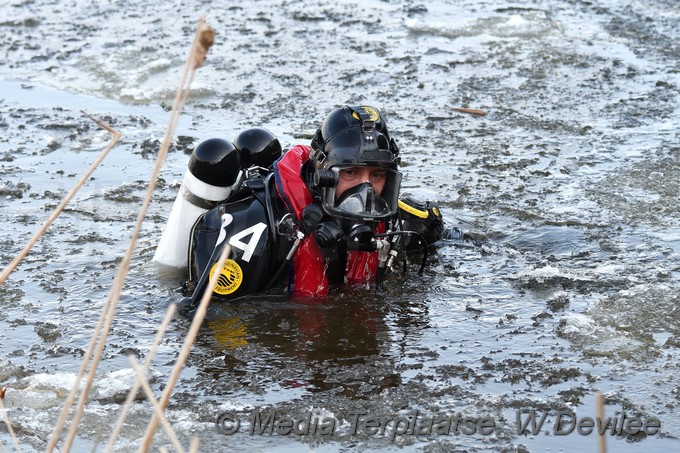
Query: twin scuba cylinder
[(216, 170)]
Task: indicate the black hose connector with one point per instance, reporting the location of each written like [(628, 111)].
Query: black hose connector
[(325, 178)]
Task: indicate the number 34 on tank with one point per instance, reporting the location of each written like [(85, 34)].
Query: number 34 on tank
[(232, 274)]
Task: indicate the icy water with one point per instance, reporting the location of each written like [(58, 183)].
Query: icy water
[(568, 188)]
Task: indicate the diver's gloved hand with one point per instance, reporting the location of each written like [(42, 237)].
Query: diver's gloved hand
[(453, 233), (187, 307), (456, 234), (426, 219)]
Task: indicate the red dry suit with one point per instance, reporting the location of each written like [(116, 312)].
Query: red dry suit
[(308, 275)]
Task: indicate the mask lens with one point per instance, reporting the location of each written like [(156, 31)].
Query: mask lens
[(362, 200), (352, 205), (380, 207)]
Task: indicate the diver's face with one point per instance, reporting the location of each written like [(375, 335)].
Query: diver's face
[(350, 177)]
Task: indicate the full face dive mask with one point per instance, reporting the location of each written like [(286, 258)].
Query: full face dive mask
[(354, 216), (361, 202)]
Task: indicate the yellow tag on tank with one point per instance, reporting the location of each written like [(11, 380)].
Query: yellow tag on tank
[(230, 278)]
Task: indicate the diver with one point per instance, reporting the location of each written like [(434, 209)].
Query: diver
[(310, 219)]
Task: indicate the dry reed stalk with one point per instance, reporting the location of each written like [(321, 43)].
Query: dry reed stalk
[(61, 421), (599, 414), (55, 213), (158, 411), (59, 426), (10, 268), (471, 111), (186, 347), (9, 423), (195, 445), (147, 365), (203, 37)]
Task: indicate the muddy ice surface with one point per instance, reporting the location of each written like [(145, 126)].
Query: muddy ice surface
[(567, 188)]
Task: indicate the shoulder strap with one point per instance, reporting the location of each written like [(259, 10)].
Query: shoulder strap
[(290, 184)]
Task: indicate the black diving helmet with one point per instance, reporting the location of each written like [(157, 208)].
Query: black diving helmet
[(356, 162)]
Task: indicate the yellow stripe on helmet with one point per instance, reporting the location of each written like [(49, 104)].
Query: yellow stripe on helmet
[(423, 214)]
